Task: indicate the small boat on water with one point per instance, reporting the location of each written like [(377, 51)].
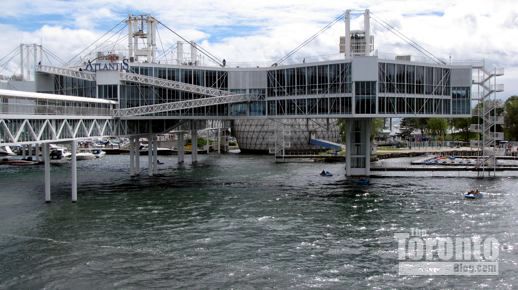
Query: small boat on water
[(362, 181), (17, 162), (473, 194), (98, 153), (326, 173), (85, 155)]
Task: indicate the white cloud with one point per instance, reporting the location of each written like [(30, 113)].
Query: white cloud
[(461, 29)]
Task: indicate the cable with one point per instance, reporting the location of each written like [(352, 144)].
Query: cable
[(106, 33), (201, 49), (329, 25), (407, 39)]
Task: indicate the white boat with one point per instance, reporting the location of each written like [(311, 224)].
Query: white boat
[(83, 154), (6, 151), (98, 152), (59, 153)]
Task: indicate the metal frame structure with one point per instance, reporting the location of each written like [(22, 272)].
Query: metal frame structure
[(487, 89)]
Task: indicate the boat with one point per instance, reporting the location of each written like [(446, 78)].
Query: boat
[(83, 154), (6, 151), (470, 195), (326, 173), (59, 153), (98, 153), (17, 162)]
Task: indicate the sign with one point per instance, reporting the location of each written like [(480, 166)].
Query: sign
[(108, 66)]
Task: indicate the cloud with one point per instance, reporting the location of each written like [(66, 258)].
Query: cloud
[(249, 33)]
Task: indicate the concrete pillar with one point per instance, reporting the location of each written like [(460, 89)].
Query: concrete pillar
[(24, 156), (219, 141), (180, 147), (137, 156), (347, 41), (74, 171), (358, 148), (194, 138), (150, 166), (29, 154), (155, 155), (348, 147), (132, 158), (37, 153), (46, 159)]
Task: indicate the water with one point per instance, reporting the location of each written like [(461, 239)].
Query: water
[(237, 221)]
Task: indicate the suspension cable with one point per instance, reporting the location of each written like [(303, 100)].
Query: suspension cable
[(201, 49), (307, 41)]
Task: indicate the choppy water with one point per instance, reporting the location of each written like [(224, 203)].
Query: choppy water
[(238, 222)]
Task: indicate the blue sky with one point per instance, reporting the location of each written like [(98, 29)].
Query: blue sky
[(258, 32)]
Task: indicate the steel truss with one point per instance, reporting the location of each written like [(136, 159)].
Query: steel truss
[(29, 131), (181, 105)]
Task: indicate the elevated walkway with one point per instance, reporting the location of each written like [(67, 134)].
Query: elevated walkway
[(325, 144)]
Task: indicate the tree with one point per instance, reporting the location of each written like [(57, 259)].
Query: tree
[(437, 126), (463, 125), (511, 118), (376, 126), (408, 125)]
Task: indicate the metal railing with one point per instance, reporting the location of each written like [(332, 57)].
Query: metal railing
[(68, 72)]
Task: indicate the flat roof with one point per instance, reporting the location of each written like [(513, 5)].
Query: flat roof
[(33, 95)]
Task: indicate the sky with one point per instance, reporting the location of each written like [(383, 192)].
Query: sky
[(250, 33)]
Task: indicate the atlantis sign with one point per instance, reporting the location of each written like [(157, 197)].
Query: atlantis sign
[(108, 66)]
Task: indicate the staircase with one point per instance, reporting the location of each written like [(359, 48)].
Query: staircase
[(486, 82)]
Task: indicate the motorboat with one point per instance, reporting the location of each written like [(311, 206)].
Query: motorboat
[(83, 154), (473, 194), (6, 151), (326, 173), (98, 153), (59, 153)]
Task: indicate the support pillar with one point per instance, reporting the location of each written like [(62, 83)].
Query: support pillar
[(24, 156), (358, 147), (155, 155), (46, 159), (29, 154), (219, 141), (150, 166), (137, 156), (194, 138), (37, 153), (180, 147), (74, 171), (132, 158)]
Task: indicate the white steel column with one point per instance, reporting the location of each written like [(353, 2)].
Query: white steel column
[(137, 156), (219, 140), (150, 166), (74, 171), (37, 153), (347, 40), (29, 153), (180, 147), (367, 28), (132, 153), (46, 158), (194, 142), (155, 155), (348, 147)]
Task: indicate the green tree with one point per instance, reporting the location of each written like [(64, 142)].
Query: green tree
[(437, 127), (408, 125), (511, 118), (463, 125)]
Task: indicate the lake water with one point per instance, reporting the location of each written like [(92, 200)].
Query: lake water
[(239, 221)]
